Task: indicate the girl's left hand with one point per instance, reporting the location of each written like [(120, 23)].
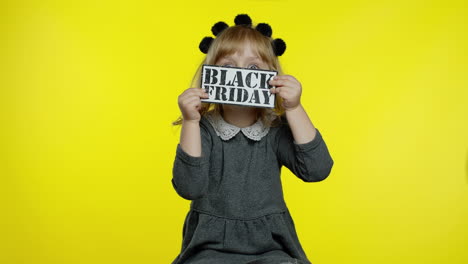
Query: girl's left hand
[(288, 88)]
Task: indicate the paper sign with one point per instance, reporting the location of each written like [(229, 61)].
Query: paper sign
[(240, 86)]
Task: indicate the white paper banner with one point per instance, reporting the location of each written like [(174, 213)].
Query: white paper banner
[(240, 86)]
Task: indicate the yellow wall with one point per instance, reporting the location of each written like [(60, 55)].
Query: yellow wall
[(88, 92)]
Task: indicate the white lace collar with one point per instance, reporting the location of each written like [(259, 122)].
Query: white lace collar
[(227, 131)]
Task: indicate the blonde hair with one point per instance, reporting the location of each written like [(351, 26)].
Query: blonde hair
[(228, 42)]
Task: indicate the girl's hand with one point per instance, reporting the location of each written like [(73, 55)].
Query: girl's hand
[(190, 103), (288, 88)]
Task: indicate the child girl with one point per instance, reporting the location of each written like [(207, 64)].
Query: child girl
[(229, 159)]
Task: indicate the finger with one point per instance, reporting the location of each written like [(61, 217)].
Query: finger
[(204, 95), (286, 95), (279, 82), (197, 92), (274, 82), (193, 90), (288, 87), (185, 97), (290, 79), (192, 101)]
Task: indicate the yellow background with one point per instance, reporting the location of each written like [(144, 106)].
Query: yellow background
[(88, 90)]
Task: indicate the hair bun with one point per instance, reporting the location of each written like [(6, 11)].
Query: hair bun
[(243, 19), (265, 29), (205, 44), (218, 28), (279, 46)]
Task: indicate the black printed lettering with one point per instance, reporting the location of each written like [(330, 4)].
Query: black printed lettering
[(210, 76), (248, 79)]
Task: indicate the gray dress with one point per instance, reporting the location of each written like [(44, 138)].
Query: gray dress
[(238, 214)]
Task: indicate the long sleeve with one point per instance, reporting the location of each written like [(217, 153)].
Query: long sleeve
[(310, 161), (189, 173)]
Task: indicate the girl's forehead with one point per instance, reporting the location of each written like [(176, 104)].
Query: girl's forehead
[(240, 54), (242, 51)]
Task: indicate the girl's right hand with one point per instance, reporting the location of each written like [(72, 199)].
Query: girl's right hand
[(190, 103)]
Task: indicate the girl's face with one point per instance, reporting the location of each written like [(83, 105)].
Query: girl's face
[(245, 58)]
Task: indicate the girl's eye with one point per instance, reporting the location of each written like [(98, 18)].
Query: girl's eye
[(253, 66)]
